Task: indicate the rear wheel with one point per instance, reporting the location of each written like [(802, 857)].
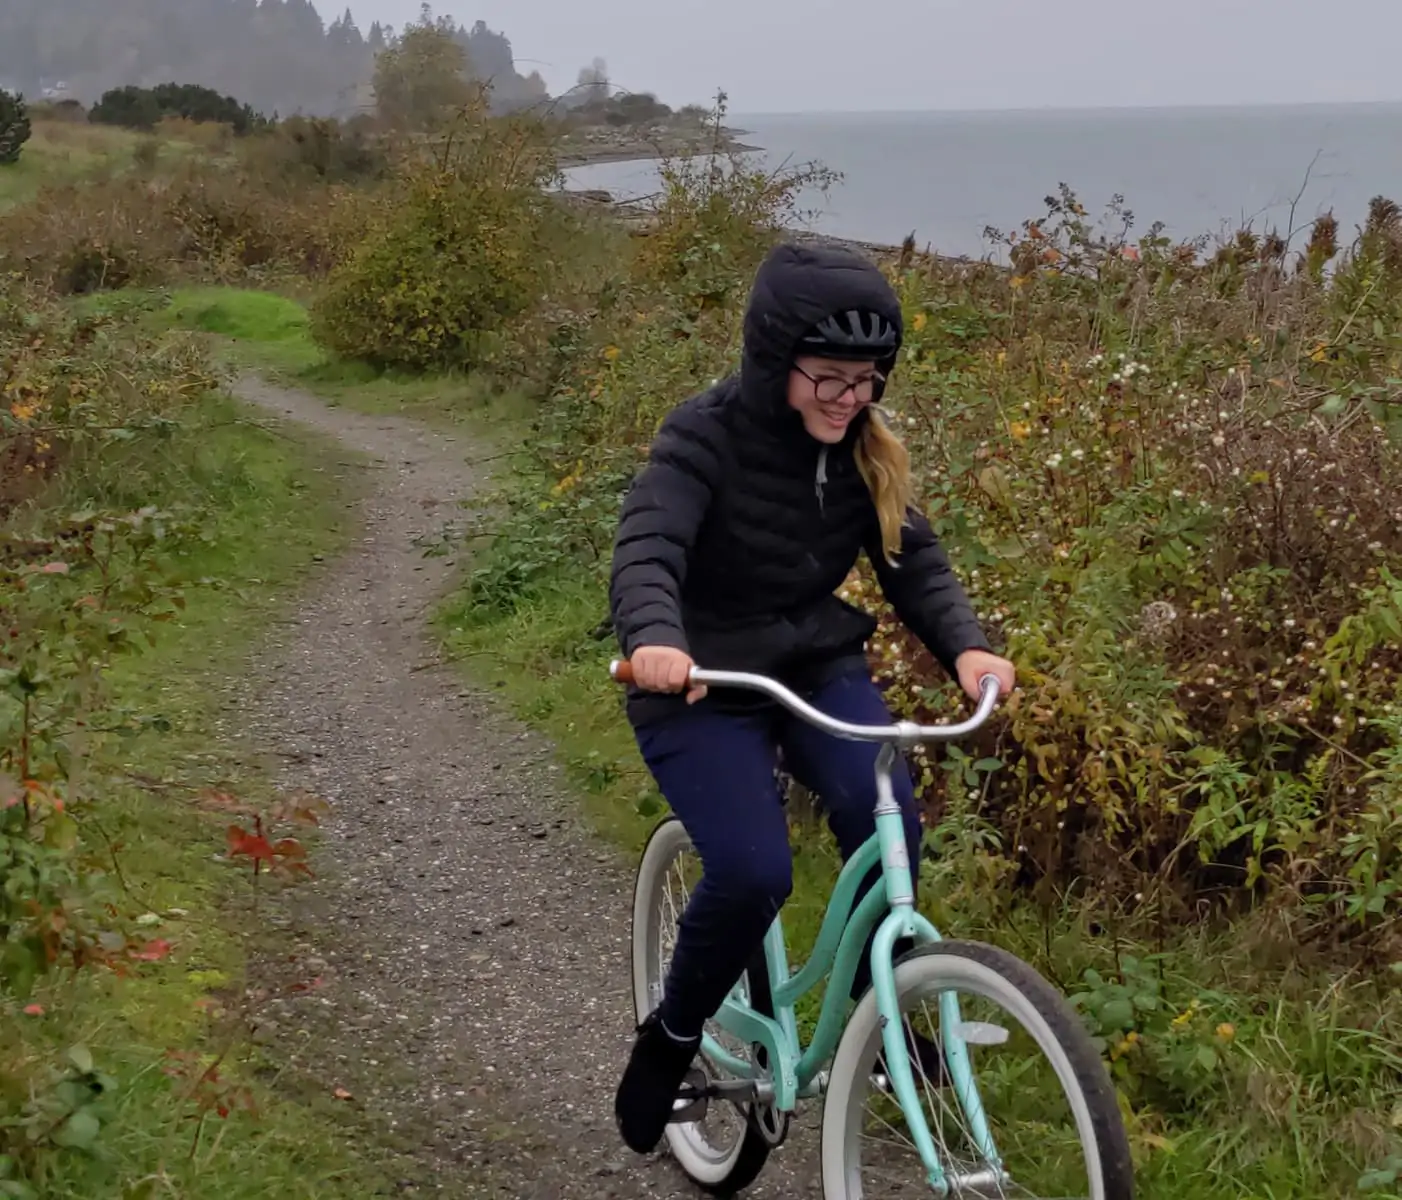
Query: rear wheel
[(723, 1150)]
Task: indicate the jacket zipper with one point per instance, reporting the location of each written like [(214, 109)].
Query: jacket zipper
[(821, 478)]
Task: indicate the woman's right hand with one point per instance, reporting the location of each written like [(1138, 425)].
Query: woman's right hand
[(664, 669)]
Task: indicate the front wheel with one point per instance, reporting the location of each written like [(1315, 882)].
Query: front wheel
[(1045, 1122)]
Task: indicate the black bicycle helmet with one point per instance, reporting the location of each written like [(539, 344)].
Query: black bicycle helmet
[(855, 334)]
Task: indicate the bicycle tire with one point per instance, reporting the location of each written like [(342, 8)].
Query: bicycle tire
[(1045, 1015), (720, 1174)]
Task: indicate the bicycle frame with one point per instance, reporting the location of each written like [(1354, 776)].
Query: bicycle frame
[(796, 1070)]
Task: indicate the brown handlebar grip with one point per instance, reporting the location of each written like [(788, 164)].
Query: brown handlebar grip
[(622, 671)]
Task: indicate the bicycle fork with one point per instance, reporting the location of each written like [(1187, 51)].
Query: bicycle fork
[(904, 921)]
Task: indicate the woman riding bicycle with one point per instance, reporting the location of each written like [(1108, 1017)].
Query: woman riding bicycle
[(756, 501)]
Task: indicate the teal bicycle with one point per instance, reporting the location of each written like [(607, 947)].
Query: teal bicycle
[(1021, 1105)]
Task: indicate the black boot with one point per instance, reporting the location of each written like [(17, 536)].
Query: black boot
[(655, 1071)]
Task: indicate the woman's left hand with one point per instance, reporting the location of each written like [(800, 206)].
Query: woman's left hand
[(973, 665)]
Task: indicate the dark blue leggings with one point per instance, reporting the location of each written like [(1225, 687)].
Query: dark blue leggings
[(716, 771)]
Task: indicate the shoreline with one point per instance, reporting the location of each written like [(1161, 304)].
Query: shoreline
[(627, 154), (665, 144), (633, 216)]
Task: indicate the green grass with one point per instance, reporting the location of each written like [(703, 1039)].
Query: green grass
[(270, 333), (274, 505), (62, 151), (1304, 1097)]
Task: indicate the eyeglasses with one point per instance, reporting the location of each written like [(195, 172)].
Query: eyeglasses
[(829, 389)]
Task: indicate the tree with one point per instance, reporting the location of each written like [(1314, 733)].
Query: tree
[(593, 84), (14, 127), (421, 78)]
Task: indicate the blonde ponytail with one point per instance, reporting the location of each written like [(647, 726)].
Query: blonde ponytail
[(885, 466)]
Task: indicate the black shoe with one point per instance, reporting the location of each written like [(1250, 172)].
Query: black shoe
[(927, 1060), (656, 1068)]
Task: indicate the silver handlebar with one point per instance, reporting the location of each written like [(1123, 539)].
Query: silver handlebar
[(901, 733)]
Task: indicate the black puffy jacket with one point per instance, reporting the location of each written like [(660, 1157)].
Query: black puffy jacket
[(736, 535)]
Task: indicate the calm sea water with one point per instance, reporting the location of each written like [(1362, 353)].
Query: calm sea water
[(947, 176)]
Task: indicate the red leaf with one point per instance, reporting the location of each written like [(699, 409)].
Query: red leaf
[(290, 848), (54, 568), (254, 845), (153, 951), (33, 1010)]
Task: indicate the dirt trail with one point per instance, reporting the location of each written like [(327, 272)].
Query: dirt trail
[(472, 934)]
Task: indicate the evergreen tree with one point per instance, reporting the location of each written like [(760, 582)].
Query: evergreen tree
[(14, 127)]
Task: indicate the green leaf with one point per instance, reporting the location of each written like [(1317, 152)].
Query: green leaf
[(988, 764), (61, 832), (1207, 1058), (81, 1057), (19, 967), (79, 1131), (13, 1189), (1117, 1013), (1380, 1178), (1333, 405)]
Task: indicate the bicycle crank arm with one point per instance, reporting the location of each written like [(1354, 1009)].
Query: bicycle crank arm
[(697, 1091)]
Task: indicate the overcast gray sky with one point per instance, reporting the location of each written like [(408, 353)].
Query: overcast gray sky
[(831, 55)]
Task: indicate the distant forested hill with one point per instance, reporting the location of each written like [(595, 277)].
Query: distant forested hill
[(277, 55)]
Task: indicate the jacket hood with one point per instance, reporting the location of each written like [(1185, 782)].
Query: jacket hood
[(795, 288)]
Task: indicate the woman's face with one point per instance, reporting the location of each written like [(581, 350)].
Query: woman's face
[(828, 392)]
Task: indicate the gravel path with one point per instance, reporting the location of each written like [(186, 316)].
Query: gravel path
[(471, 932)]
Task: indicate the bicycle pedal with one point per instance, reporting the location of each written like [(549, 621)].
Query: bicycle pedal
[(693, 1098)]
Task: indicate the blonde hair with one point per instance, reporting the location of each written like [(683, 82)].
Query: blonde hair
[(885, 466)]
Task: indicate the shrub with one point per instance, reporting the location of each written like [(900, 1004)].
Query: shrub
[(1181, 513), (453, 260), (716, 216), (319, 148), (69, 111), (15, 128), (143, 108), (203, 220)]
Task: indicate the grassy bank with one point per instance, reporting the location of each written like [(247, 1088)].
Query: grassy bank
[(134, 1075), (64, 151), (269, 332)]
